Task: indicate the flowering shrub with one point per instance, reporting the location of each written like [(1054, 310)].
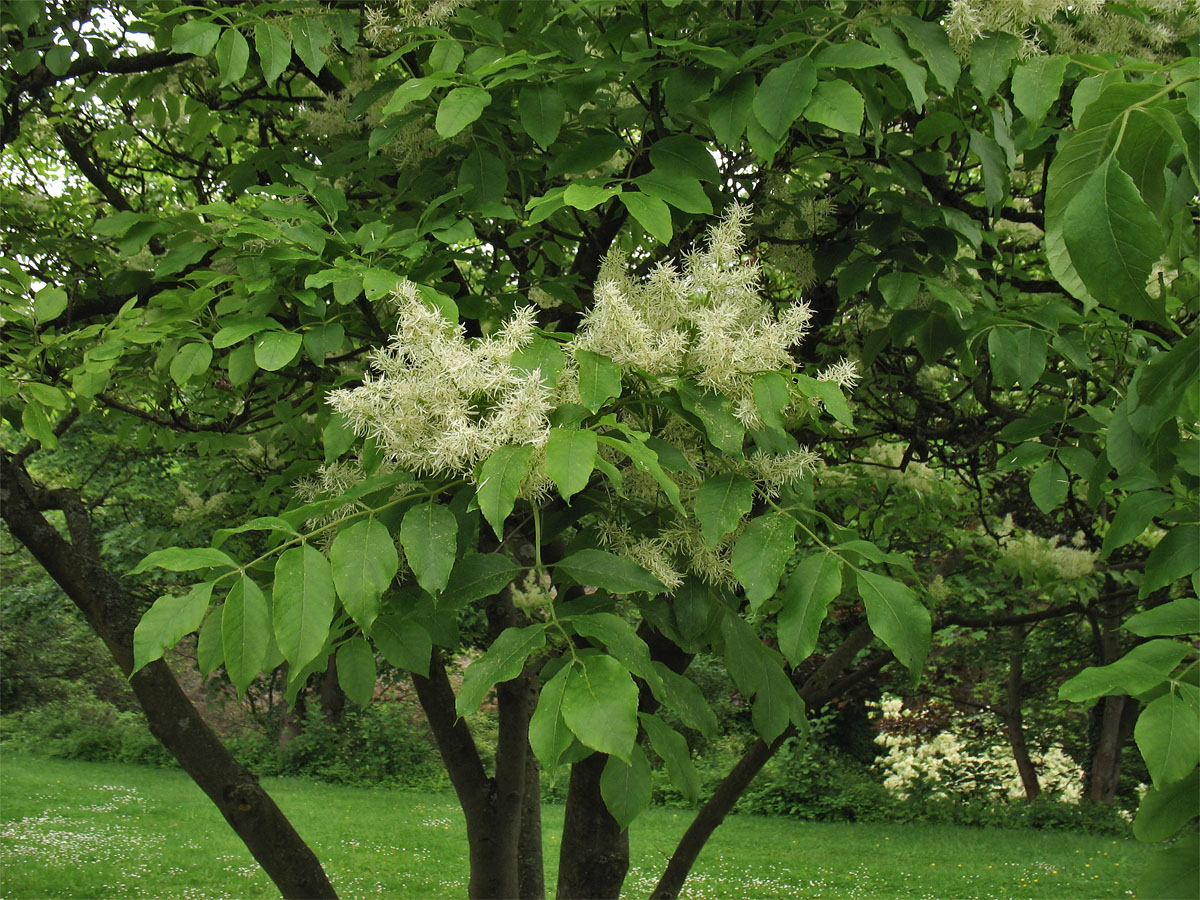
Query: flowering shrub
[(962, 760)]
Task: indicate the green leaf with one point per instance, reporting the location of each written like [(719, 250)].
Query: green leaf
[(686, 700), (167, 621), (644, 459), (429, 536), (745, 657), (1176, 556), (720, 504), (322, 340), (549, 736), (364, 562), (274, 50), (776, 703), (929, 39), (485, 174), (1166, 809), (1036, 84), (837, 105), (275, 349), (1048, 486), (1133, 517), (995, 167), (1142, 668), (651, 213), (681, 191), (185, 559), (303, 601), (209, 652), (541, 110), (499, 481), (761, 553), (672, 748), (783, 94), (49, 303), (991, 60), (1180, 616), (715, 412), (503, 661), (459, 108), (586, 196), (239, 329), (810, 589), (190, 360), (622, 642), (196, 36), (1168, 735), (684, 154), (771, 397), (413, 90), (403, 642), (625, 787), (1114, 242), (309, 37), (599, 379), (478, 575), (729, 110), (914, 75), (233, 54), (245, 632), (609, 571), (356, 670), (1174, 872), (897, 618), (851, 55), (599, 705), (570, 459)]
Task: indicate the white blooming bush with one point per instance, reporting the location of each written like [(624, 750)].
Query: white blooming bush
[(963, 760)]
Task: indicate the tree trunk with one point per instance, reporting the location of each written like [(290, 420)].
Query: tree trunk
[(329, 690), (1014, 720), (594, 857), (531, 875), (76, 566), (1115, 716)]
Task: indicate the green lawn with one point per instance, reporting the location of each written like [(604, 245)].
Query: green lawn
[(89, 830)]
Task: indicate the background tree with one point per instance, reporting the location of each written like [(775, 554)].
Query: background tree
[(993, 216)]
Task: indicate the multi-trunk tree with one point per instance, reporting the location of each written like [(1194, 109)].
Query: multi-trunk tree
[(536, 320)]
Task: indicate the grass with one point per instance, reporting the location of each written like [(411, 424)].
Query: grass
[(97, 830)]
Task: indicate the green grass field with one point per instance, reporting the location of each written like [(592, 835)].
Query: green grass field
[(90, 830)]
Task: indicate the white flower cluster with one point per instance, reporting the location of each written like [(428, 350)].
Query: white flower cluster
[(439, 404), (1078, 26), (706, 321), (1037, 558), (955, 763)]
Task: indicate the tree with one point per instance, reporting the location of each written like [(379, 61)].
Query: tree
[(501, 300)]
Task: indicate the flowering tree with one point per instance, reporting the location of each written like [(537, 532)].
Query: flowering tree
[(531, 325)]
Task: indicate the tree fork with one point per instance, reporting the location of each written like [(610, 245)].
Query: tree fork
[(76, 567)]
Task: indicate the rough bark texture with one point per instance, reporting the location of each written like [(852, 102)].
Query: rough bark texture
[(531, 875), (827, 681), (594, 857), (77, 568)]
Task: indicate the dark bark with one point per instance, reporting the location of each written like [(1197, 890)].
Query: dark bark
[(77, 568), (331, 695), (495, 808), (1115, 714), (826, 682), (594, 857), (1014, 720), (531, 876)]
